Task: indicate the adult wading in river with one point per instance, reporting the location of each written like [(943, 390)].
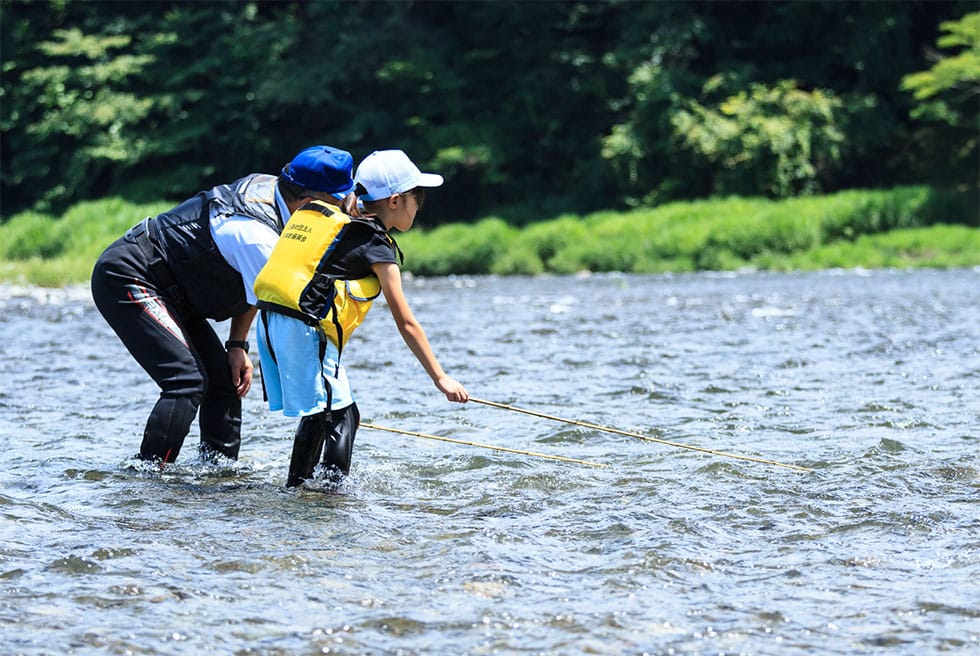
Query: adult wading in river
[(158, 285)]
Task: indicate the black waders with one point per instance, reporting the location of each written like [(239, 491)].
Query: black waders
[(329, 433), (181, 352)]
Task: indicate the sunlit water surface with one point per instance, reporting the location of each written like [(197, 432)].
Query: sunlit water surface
[(868, 378)]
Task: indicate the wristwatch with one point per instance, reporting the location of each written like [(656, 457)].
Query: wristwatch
[(235, 343)]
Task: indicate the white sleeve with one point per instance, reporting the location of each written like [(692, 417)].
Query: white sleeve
[(246, 244)]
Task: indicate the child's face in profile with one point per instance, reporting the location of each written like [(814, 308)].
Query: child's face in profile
[(404, 207)]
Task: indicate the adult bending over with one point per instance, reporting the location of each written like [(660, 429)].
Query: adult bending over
[(158, 285)]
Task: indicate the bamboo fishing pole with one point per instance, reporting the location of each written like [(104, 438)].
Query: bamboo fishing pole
[(607, 429), (483, 446)]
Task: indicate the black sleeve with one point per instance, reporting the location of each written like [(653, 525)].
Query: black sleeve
[(379, 249), (361, 248)]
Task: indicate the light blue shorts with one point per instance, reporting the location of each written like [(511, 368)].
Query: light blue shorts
[(296, 381)]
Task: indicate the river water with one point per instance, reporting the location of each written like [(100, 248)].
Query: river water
[(868, 378)]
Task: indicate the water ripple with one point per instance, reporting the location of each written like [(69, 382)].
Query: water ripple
[(868, 378)]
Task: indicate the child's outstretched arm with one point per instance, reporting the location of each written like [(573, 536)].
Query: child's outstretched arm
[(391, 284)]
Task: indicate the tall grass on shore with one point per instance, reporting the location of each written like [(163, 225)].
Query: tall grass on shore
[(43, 250), (902, 227)]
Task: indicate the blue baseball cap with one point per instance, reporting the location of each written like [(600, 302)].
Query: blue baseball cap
[(321, 168)]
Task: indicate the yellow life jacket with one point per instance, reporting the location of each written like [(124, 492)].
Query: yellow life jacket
[(293, 281)]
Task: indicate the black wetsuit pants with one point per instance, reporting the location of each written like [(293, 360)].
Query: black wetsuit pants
[(181, 353)]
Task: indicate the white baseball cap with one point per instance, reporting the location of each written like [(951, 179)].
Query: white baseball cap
[(385, 173)]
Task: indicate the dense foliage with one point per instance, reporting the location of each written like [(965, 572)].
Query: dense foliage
[(530, 109)]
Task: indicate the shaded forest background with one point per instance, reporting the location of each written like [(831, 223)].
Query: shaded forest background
[(530, 109)]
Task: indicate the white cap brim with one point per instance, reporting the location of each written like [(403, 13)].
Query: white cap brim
[(429, 180), (385, 173)]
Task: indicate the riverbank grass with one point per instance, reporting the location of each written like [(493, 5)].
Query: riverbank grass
[(905, 227), (899, 228), (50, 251)]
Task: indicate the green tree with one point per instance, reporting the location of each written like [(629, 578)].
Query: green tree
[(67, 121), (852, 52), (154, 101), (780, 140), (948, 101), (530, 109)]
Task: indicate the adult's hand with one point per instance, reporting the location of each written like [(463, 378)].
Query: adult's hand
[(241, 371)]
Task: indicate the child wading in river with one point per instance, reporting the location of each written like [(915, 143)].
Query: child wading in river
[(317, 287)]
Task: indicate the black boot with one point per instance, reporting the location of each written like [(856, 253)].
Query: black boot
[(213, 449), (307, 446), (221, 429), (167, 426), (339, 445)]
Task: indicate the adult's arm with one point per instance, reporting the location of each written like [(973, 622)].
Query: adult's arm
[(238, 360), (245, 244)]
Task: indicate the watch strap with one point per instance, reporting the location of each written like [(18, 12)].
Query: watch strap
[(236, 343)]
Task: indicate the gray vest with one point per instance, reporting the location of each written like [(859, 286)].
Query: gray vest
[(206, 285)]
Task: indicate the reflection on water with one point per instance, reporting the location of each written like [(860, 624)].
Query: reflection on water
[(868, 378)]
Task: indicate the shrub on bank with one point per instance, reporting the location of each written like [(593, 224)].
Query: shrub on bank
[(459, 248), (44, 250), (852, 228), (84, 230), (938, 246), (715, 234)]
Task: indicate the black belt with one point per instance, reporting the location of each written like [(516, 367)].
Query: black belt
[(267, 306)]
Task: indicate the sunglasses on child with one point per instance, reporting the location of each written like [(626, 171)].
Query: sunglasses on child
[(419, 194)]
